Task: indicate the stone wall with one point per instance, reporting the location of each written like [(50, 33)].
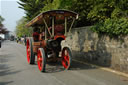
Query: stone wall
[(102, 50)]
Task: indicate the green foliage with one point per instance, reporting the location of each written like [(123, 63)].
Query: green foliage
[(1, 20), (108, 14), (89, 10), (21, 29), (51, 5), (32, 7), (99, 12), (112, 27), (65, 4), (82, 7)]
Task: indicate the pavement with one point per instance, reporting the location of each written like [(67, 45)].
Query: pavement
[(14, 70)]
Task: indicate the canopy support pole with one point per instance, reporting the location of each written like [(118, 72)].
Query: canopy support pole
[(45, 33), (72, 24), (65, 26), (47, 27), (53, 23)]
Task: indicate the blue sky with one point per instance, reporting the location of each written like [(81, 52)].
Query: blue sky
[(11, 13)]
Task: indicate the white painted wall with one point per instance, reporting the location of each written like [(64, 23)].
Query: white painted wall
[(2, 35)]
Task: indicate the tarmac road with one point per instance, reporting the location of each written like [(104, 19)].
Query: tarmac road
[(14, 70)]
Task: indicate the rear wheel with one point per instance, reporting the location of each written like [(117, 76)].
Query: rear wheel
[(66, 57), (29, 49), (41, 60)]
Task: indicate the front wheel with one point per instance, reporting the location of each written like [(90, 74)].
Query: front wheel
[(41, 59), (66, 57)]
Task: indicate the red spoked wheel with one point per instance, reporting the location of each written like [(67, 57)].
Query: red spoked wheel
[(66, 57), (41, 60), (29, 49)]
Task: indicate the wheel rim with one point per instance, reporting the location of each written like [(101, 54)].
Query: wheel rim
[(39, 60), (28, 51), (65, 58)]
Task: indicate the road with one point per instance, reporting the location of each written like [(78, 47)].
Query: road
[(14, 70)]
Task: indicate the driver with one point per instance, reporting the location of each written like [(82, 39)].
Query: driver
[(35, 34)]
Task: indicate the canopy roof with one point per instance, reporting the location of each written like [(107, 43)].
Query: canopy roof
[(58, 14)]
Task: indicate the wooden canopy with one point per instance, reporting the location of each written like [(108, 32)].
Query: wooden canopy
[(58, 14)]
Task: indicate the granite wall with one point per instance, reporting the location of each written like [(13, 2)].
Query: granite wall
[(102, 50)]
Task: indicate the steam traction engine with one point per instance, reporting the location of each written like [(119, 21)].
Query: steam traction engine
[(49, 29)]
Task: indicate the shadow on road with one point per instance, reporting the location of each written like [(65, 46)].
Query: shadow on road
[(7, 71), (5, 68), (57, 67), (6, 83), (79, 66), (54, 67)]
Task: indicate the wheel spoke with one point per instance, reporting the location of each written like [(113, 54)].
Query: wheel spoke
[(64, 64), (66, 57), (39, 60), (66, 60)]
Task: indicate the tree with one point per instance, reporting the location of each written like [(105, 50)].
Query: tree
[(51, 5), (90, 11), (2, 29), (104, 9), (1, 20), (21, 29), (32, 7), (111, 17)]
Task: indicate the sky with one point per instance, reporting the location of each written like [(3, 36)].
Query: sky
[(11, 13)]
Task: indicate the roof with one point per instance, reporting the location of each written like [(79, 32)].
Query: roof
[(53, 13)]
